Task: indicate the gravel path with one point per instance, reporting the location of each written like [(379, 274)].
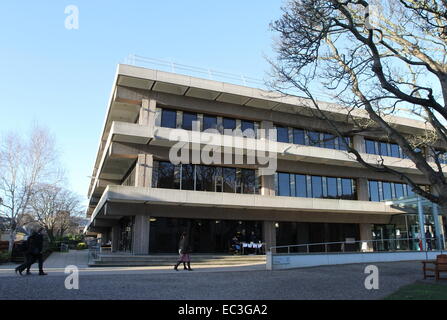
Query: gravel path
[(328, 282)]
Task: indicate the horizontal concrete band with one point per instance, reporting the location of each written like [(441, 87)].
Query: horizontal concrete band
[(155, 196), (289, 261)]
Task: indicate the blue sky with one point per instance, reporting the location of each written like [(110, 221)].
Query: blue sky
[(62, 78)]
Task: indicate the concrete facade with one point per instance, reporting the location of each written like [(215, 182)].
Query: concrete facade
[(133, 139)]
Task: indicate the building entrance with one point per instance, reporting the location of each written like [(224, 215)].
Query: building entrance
[(206, 236)]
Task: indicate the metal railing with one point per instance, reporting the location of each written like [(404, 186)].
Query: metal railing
[(381, 245)]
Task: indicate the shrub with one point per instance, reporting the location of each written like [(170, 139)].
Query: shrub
[(4, 256)]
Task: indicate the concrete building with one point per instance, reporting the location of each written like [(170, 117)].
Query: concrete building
[(141, 202)]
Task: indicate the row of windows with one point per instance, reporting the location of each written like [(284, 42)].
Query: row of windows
[(382, 190), (170, 119), (311, 138), (387, 149), (204, 178), (298, 185)]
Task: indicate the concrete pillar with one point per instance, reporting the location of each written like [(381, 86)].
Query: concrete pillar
[(143, 172), (115, 238), (362, 189), (366, 235), (147, 114), (264, 127), (140, 238), (269, 234), (358, 143), (268, 185)]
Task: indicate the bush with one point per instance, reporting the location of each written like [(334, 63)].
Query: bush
[(81, 246), (4, 256)]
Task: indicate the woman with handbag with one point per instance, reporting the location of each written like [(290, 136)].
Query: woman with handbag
[(184, 251)]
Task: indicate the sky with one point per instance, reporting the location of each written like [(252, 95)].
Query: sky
[(61, 78)]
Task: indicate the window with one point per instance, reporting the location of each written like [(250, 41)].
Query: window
[(383, 148), (229, 124), (341, 145), (399, 188), (187, 177), (248, 181), (168, 175), (300, 185), (387, 191), (168, 118), (188, 119), (346, 187), (205, 178), (332, 192), (298, 137), (329, 141), (248, 128), (282, 134), (395, 150), (229, 180), (317, 187), (370, 146), (314, 138), (374, 191), (209, 122), (284, 184)]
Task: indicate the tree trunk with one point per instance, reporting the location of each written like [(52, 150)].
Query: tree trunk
[(12, 238)]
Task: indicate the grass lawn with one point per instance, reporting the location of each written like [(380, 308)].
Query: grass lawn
[(421, 291)]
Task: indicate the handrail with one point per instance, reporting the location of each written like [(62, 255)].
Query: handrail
[(343, 243)]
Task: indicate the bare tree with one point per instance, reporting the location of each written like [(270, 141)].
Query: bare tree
[(24, 162), (55, 209), (383, 57)]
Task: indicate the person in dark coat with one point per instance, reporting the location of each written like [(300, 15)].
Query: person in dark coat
[(33, 253), (184, 251)]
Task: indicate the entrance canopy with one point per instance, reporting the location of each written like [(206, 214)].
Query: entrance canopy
[(421, 207)]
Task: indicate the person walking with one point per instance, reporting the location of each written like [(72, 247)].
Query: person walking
[(428, 237), (34, 253), (184, 251)]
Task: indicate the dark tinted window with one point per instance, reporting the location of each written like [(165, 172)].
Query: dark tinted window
[(205, 178), (314, 138), (370, 146), (300, 185), (341, 145), (168, 175), (229, 123), (383, 148), (283, 184), (298, 137), (346, 187), (248, 128), (248, 178), (329, 141), (332, 188), (188, 119), (282, 134), (229, 179), (187, 177), (168, 118), (209, 122), (374, 191), (399, 187), (317, 187), (387, 194), (395, 150)]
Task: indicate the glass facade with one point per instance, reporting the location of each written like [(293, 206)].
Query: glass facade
[(206, 235), (383, 190), (306, 186), (386, 149), (204, 178), (311, 138)]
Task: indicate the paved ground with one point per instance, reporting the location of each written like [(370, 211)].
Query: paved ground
[(227, 283)]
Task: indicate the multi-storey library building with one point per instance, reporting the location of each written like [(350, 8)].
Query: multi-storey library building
[(314, 191)]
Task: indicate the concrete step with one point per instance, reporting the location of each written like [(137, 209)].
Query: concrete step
[(129, 260)]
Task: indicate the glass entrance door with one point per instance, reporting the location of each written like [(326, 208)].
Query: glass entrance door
[(385, 237)]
